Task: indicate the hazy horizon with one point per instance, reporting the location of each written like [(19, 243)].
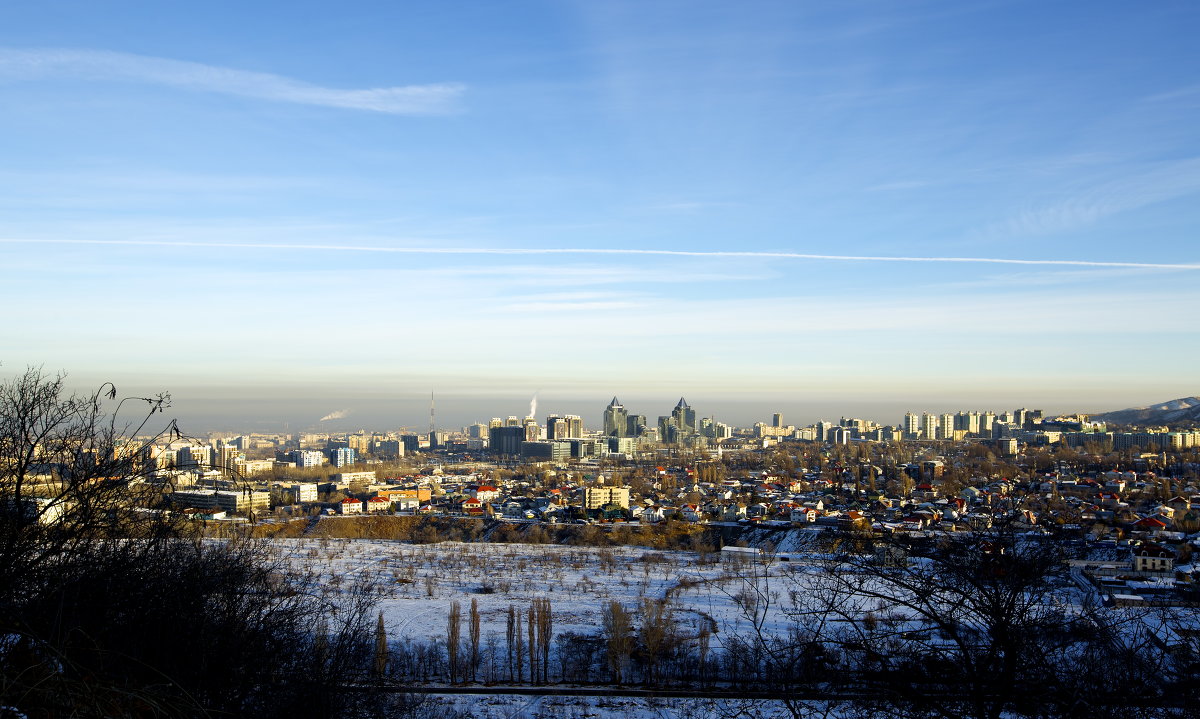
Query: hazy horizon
[(229, 409)]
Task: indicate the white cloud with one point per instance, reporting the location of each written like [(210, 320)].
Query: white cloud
[(403, 100)]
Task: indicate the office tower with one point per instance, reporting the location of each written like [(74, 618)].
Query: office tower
[(777, 419), (636, 425), (506, 440), (668, 431), (616, 420), (574, 426), (684, 417), (557, 427)]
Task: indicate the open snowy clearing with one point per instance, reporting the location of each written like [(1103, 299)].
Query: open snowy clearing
[(420, 582)]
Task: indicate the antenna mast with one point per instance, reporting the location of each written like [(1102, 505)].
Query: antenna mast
[(432, 425)]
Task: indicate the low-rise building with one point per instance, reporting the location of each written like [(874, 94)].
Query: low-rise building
[(597, 497)]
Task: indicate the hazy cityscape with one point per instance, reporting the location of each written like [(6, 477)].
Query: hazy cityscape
[(598, 359)]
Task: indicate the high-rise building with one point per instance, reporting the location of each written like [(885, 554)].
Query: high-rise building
[(194, 457), (389, 448), (967, 422), (506, 440), (946, 426), (929, 425), (616, 420), (911, 426), (564, 426), (574, 426), (556, 427), (226, 456), (307, 458), (342, 457), (777, 419), (636, 425), (668, 431), (684, 417)]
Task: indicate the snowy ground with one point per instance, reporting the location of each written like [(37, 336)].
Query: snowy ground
[(551, 707), (421, 581)]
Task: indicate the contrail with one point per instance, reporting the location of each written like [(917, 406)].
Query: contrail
[(608, 251)]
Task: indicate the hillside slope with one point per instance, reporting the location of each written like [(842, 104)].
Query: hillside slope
[(1177, 410)]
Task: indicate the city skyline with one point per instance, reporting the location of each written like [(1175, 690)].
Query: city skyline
[(202, 415), (284, 211)]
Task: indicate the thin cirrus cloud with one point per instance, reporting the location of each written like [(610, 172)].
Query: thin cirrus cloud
[(1157, 184), (431, 99)]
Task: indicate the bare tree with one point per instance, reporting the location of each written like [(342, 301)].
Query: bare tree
[(618, 634), (473, 636), (531, 628), (970, 624), (545, 626), (381, 649), (453, 639), (519, 646), (92, 571), (656, 634)]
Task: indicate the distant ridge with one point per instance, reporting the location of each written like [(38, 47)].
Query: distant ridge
[(1177, 410)]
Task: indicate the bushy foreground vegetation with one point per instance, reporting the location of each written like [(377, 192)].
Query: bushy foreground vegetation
[(108, 609)]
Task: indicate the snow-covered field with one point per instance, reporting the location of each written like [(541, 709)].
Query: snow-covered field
[(558, 707), (721, 599), (420, 581)]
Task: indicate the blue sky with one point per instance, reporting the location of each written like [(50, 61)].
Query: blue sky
[(287, 208)]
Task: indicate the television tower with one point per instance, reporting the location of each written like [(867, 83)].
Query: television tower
[(432, 425)]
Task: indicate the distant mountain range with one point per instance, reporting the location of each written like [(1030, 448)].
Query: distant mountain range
[(1177, 410)]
